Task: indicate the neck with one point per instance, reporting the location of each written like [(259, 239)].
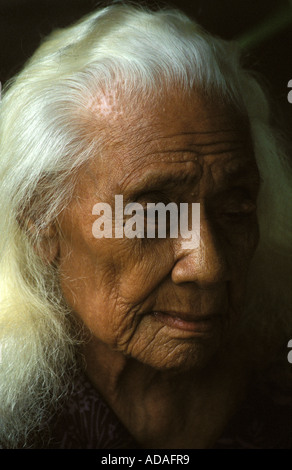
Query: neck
[(160, 407)]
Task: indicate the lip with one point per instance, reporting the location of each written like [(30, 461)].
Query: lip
[(200, 324)]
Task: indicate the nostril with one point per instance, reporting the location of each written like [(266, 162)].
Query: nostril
[(205, 265)]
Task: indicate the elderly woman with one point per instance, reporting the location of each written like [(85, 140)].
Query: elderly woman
[(116, 341)]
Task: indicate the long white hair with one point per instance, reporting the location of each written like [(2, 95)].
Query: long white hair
[(45, 138)]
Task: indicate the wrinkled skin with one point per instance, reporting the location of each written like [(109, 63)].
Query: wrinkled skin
[(185, 149), (187, 153)]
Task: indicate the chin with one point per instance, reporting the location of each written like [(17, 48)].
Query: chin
[(195, 354)]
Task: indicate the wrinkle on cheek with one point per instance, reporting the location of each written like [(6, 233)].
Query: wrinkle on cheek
[(142, 279), (126, 330), (141, 348)]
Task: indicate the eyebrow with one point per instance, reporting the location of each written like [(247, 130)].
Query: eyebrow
[(153, 180)]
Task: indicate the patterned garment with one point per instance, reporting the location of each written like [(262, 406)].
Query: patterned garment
[(86, 422)]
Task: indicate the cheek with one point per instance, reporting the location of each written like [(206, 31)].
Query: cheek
[(108, 282), (88, 276), (246, 244), (241, 253), (85, 284), (146, 265), (239, 239)]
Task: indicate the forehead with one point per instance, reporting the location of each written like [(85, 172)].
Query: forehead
[(173, 134)]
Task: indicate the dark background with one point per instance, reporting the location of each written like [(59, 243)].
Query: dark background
[(23, 23)]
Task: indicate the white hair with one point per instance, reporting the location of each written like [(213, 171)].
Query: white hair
[(45, 139)]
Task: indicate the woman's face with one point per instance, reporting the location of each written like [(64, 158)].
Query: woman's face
[(157, 300)]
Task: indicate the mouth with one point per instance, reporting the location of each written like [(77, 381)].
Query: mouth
[(198, 325)]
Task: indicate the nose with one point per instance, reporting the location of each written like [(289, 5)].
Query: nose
[(206, 264)]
